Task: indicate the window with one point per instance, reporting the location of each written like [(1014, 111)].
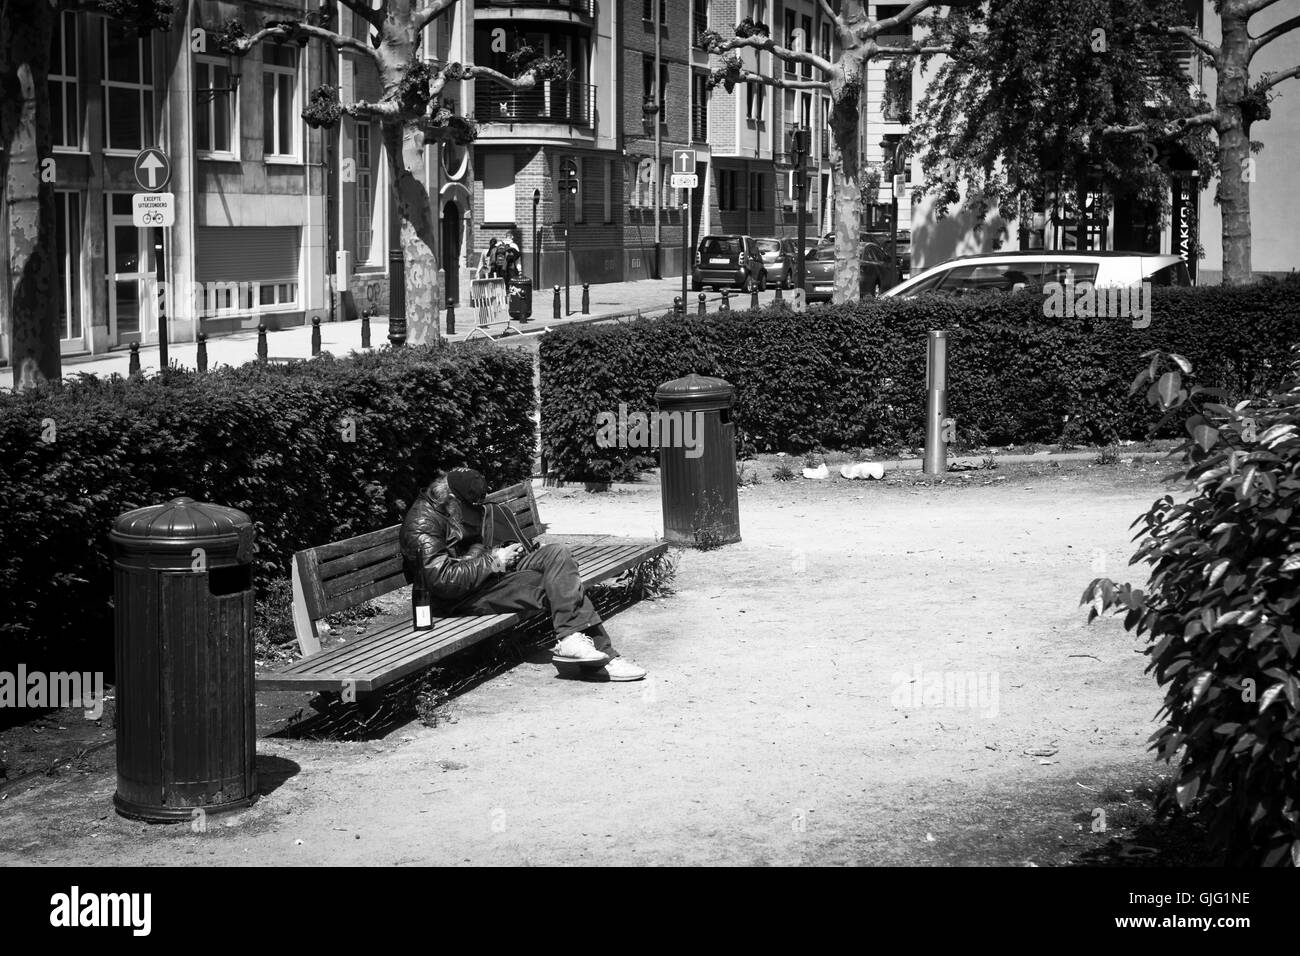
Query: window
[(279, 100), (755, 96), (214, 112), (648, 11), (128, 87), (65, 103), (826, 41), (607, 184), (365, 194), (790, 40), (900, 35), (650, 92), (726, 189), (67, 225), (700, 107), (806, 68), (701, 19), (499, 188), (757, 200), (272, 294)]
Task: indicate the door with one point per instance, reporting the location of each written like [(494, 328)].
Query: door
[(68, 246), (130, 272), (451, 229)]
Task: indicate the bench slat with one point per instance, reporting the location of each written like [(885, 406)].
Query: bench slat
[(360, 560), (360, 595), (341, 549), (354, 654), (337, 587)]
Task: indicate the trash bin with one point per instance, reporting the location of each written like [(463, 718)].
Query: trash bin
[(183, 620), (521, 298), (697, 461)]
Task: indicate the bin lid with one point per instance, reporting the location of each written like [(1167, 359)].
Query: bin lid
[(696, 392), (183, 524)]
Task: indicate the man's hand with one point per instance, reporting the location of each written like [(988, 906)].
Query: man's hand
[(505, 558)]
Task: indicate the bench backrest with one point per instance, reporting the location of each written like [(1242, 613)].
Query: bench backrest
[(343, 574)]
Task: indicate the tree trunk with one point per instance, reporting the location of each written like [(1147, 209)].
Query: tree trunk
[(1234, 150), (405, 148), (846, 88), (28, 174)]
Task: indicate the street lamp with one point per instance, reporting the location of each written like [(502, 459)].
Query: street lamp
[(537, 269)]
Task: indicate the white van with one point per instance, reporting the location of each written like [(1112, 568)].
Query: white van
[(1033, 268)]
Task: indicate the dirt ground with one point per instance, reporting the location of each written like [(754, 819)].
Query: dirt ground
[(779, 724)]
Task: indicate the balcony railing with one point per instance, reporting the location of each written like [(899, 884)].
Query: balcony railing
[(552, 101), (582, 7), (699, 124), (701, 22)]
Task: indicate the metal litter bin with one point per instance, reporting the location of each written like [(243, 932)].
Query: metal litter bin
[(697, 461), (521, 298), (183, 619)]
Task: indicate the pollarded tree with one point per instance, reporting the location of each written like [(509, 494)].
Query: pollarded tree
[(843, 79), (28, 173), (410, 112)]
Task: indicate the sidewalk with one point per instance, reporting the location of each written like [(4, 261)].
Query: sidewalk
[(609, 301)]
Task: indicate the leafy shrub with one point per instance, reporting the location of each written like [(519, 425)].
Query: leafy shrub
[(1220, 612), (270, 440), (854, 375), (783, 472)]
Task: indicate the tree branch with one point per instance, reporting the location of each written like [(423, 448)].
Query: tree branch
[(1208, 118), (835, 18), (1251, 7), (1275, 78), (432, 12), (785, 54), (286, 30), (906, 15), (364, 108), (1268, 36), (1198, 41), (365, 12), (468, 71), (781, 83)]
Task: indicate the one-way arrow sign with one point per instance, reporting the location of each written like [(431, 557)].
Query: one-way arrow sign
[(153, 169)]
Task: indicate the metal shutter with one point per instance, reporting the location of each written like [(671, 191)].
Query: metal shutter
[(246, 253)]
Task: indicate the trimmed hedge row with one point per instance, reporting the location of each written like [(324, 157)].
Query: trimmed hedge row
[(270, 440), (840, 377)]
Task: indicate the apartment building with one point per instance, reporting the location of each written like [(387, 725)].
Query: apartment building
[(248, 242)]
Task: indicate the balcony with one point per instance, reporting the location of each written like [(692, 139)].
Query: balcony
[(577, 11), (553, 101)]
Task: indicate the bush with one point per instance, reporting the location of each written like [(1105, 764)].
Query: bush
[(854, 375), (1220, 613), (270, 440)]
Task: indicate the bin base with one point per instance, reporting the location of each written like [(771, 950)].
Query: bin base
[(155, 814)]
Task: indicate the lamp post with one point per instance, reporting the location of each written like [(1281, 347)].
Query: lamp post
[(799, 148), (650, 123), (537, 268)]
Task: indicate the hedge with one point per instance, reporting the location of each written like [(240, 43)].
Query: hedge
[(840, 377), (270, 440)]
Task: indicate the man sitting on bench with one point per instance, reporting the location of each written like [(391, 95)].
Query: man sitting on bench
[(445, 543)]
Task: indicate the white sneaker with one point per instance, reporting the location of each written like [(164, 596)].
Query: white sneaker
[(578, 649), (620, 668)]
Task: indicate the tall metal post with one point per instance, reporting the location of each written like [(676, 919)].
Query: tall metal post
[(159, 273), (568, 228), (686, 241), (936, 403), (537, 253), (659, 145), (801, 187), (396, 298)]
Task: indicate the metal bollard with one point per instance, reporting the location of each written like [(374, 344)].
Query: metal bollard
[(704, 299), (555, 308), (134, 368), (679, 307), (779, 297), (936, 404), (726, 301), (261, 343), (365, 328), (451, 319), (315, 335), (753, 299), (201, 359), (586, 298)]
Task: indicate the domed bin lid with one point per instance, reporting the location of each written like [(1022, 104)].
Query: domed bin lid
[(172, 531), (696, 393)]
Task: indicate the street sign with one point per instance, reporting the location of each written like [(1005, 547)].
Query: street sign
[(683, 161), (684, 181), (153, 170), (900, 185), (153, 209)]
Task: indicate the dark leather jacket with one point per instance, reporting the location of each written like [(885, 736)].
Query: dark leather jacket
[(439, 554)]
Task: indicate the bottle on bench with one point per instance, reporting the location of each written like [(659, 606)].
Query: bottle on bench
[(421, 608)]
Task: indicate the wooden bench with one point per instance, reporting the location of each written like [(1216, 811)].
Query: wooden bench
[(344, 574)]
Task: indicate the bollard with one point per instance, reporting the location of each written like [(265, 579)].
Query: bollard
[(936, 403), (586, 298), (134, 368), (704, 299), (726, 301), (202, 358), (261, 342), (779, 297), (365, 328), (753, 299), (451, 319), (315, 335), (555, 308), (679, 307)]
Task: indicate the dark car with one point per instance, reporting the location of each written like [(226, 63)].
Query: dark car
[(727, 261), (877, 273), (778, 260)]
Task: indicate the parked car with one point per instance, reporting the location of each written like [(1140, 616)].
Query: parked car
[(778, 260), (1032, 269), (726, 261), (876, 272)]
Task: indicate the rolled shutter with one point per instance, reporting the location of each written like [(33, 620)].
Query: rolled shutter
[(246, 253)]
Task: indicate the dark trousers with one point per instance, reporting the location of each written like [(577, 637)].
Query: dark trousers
[(546, 579)]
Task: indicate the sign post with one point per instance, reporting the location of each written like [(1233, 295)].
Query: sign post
[(156, 209), (569, 187), (684, 177)]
